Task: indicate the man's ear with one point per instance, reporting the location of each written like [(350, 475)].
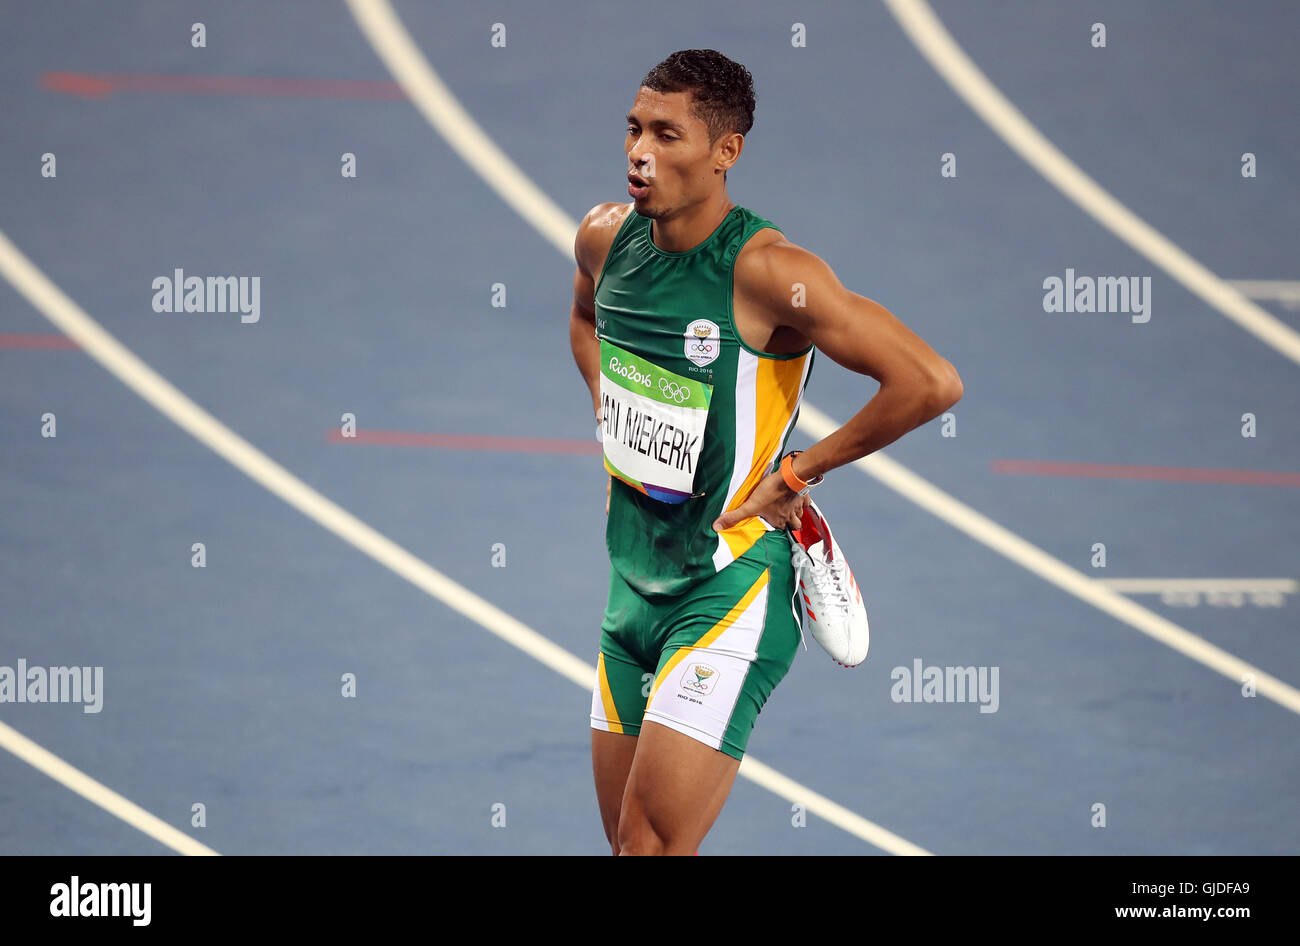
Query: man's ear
[(727, 151)]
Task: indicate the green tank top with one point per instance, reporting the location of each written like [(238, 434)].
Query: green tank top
[(692, 417)]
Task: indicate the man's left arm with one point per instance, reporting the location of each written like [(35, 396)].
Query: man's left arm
[(792, 287)]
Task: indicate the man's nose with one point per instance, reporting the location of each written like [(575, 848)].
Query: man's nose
[(643, 165)]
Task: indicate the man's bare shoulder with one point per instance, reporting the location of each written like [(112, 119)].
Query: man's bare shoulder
[(596, 234), (769, 265)]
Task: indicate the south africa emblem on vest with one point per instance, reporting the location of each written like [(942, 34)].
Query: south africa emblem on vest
[(703, 342)]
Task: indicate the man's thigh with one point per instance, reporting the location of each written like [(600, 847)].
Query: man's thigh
[(611, 763), (725, 651), (623, 678), (675, 790)]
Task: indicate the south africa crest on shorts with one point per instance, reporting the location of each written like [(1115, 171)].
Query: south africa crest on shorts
[(703, 342), (699, 678)]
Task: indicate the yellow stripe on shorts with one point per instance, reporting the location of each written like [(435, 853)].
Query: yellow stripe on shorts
[(607, 697), (714, 632)]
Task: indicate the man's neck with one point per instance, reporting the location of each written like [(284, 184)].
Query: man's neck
[(689, 230)]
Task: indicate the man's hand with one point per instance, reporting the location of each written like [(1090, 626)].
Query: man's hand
[(778, 505)]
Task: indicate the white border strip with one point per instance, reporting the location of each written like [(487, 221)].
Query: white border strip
[(927, 32)]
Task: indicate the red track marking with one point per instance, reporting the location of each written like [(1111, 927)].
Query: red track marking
[(398, 438), (101, 86), (38, 341), (1173, 474)]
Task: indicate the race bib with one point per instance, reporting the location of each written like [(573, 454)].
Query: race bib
[(652, 424)]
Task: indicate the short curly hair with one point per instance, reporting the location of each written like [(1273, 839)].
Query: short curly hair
[(722, 89)]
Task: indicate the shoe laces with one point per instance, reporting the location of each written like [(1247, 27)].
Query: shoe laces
[(831, 579)]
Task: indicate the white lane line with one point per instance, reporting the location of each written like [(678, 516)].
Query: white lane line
[(928, 34), (442, 110), (1285, 291), (1157, 585), (1031, 557), (48, 299), (385, 32), (97, 793), (1218, 592), (412, 71)]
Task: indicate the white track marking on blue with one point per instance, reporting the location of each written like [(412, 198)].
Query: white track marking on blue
[(927, 33)]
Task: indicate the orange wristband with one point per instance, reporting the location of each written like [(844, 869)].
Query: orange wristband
[(791, 479)]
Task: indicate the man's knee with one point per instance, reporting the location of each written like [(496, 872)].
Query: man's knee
[(636, 836)]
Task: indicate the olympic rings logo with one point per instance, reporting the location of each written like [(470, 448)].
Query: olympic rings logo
[(702, 347), (674, 391)]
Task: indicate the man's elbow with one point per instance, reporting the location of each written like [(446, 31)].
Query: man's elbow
[(945, 388)]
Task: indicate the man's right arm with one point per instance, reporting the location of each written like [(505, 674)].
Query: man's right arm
[(595, 236), (582, 327)]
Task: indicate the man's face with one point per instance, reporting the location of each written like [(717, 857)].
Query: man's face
[(668, 148)]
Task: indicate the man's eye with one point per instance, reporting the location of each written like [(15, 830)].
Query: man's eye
[(669, 137), (631, 129)]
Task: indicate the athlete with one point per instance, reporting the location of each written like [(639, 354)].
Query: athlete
[(694, 324)]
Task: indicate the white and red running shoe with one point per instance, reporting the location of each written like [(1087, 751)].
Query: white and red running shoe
[(830, 596)]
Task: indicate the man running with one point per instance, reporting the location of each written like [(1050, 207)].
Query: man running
[(694, 324)]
